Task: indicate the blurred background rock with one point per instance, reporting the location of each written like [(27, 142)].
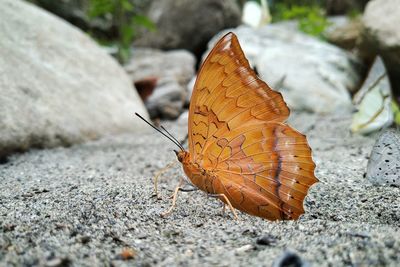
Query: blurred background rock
[(317, 53)]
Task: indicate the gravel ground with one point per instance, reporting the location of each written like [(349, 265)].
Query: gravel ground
[(92, 204)]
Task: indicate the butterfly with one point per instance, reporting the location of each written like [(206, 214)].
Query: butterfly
[(240, 149)]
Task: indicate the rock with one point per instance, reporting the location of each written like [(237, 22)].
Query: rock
[(340, 7), (146, 86), (189, 88), (289, 259), (183, 118), (255, 14), (314, 75), (188, 24), (381, 35), (58, 87), (266, 240), (242, 249), (58, 262), (373, 101), (343, 32), (128, 254), (384, 163), (146, 62), (173, 71), (167, 100)]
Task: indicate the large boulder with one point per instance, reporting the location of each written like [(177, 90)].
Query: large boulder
[(57, 86), (311, 74), (188, 24), (381, 35)]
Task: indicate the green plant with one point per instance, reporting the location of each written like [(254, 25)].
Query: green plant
[(126, 21), (396, 112), (311, 19)]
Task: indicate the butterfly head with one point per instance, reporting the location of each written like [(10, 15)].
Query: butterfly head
[(182, 155)]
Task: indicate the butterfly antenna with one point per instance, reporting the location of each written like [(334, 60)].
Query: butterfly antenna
[(161, 132), (176, 140)]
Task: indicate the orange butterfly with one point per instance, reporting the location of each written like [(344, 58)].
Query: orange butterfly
[(240, 150)]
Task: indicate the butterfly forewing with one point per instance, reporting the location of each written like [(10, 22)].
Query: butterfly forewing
[(237, 132), (228, 90)]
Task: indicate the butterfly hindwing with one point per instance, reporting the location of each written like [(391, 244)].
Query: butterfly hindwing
[(269, 165)]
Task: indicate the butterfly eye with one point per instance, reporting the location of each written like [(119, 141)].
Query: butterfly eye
[(179, 155)]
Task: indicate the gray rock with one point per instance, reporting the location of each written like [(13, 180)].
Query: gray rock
[(178, 65), (290, 259), (167, 100), (341, 7), (343, 31), (313, 75), (57, 86), (381, 35), (173, 71), (384, 163), (189, 24), (266, 240), (189, 88), (373, 101)]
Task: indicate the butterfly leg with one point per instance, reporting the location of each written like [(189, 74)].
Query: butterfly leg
[(227, 202), (174, 196), (159, 173)]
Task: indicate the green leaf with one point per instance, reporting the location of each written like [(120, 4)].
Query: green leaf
[(126, 5), (100, 8), (144, 21)]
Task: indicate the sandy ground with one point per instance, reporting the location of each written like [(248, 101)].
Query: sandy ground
[(84, 204)]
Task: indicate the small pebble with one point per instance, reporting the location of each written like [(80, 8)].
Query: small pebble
[(290, 259), (266, 240), (128, 253)]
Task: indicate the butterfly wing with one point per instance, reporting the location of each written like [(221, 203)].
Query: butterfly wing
[(264, 169), (228, 90), (236, 130)]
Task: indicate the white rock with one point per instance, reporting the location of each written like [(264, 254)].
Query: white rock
[(57, 86), (384, 163), (256, 15), (381, 21), (314, 75), (373, 102)]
